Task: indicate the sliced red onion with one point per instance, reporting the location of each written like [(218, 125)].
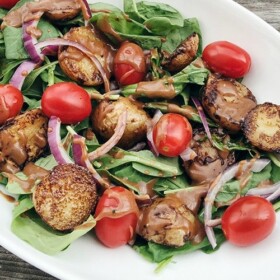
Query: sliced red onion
[(79, 150), (30, 41), (50, 50), (54, 140), (90, 55), (276, 193), (150, 127), (21, 73), (85, 10), (113, 141), (80, 156), (202, 117), (228, 174), (188, 154), (264, 191)]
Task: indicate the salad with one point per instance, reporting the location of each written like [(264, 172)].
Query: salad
[(123, 124)]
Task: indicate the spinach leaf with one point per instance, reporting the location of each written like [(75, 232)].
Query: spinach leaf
[(117, 27), (158, 253), (30, 228), (118, 157), (175, 37), (14, 48), (275, 173), (167, 185), (7, 68)]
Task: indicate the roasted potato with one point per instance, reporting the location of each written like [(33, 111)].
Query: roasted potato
[(169, 222), (66, 197), (262, 127), (22, 139), (105, 118), (77, 65), (210, 161), (227, 102), (183, 55)]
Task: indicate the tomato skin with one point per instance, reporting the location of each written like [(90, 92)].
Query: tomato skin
[(117, 216), (68, 101), (11, 101), (248, 220), (7, 4), (227, 59), (172, 134), (129, 64)]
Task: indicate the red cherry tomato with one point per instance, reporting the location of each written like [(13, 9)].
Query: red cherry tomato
[(7, 4), (129, 64), (227, 59), (68, 101), (248, 220), (11, 101), (172, 134), (116, 215)]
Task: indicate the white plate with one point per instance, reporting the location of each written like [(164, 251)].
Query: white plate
[(86, 259)]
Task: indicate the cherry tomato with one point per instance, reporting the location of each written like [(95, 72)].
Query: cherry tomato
[(172, 134), (68, 101), (129, 64), (11, 101), (7, 4), (116, 215), (248, 220), (227, 59)]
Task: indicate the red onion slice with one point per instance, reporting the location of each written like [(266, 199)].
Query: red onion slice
[(228, 174), (264, 191), (276, 193), (30, 41), (54, 140), (85, 10), (150, 127), (202, 117), (113, 141), (21, 73), (90, 55), (188, 154), (80, 156)]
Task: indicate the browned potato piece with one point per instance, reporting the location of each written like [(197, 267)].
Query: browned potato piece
[(66, 197), (227, 102), (184, 54), (105, 118), (62, 15), (210, 161), (22, 139), (77, 65), (262, 127), (169, 222)]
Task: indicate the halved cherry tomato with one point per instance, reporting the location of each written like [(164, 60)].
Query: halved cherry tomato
[(116, 215), (248, 220), (11, 101), (227, 59), (68, 101), (7, 4), (129, 64), (172, 134)]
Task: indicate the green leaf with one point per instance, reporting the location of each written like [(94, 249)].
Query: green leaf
[(30, 228), (23, 206), (130, 8), (175, 37), (169, 185), (275, 173), (118, 157), (158, 253)]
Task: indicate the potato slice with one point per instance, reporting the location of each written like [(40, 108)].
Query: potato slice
[(227, 102), (262, 127), (184, 54), (77, 66)]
